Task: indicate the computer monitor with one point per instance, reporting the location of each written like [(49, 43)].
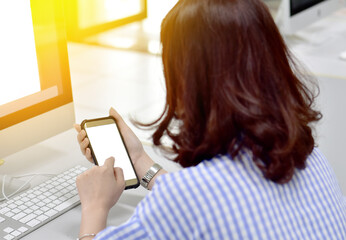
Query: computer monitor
[(35, 87), (294, 15)]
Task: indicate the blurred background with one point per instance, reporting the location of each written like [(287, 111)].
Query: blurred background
[(122, 24), (119, 24)]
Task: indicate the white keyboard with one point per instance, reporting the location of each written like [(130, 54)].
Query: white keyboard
[(37, 206)]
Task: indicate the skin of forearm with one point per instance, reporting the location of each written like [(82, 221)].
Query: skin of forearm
[(93, 221)]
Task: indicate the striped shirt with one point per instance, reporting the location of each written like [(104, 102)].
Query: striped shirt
[(226, 198)]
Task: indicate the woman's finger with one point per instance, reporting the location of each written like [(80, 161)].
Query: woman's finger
[(109, 163), (77, 127), (83, 145), (81, 135), (115, 114), (120, 121), (119, 177), (88, 155)]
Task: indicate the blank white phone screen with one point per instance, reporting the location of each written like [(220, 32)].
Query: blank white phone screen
[(106, 142)]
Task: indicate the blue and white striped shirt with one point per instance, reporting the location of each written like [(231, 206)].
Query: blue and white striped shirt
[(225, 199)]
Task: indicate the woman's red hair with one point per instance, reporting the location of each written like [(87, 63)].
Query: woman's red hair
[(232, 83)]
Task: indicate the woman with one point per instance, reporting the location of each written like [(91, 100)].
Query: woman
[(244, 139)]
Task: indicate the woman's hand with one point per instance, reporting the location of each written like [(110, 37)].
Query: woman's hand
[(134, 146), (141, 161), (99, 188)]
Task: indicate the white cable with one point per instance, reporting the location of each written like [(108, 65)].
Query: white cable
[(23, 185), (3, 187)]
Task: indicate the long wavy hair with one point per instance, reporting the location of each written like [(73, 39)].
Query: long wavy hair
[(232, 83)]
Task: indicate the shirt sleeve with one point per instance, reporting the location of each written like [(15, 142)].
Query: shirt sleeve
[(155, 217), (134, 228)]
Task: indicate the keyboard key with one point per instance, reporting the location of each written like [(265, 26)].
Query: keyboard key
[(16, 210), (35, 200), (38, 192), (27, 218), (4, 210), (22, 207), (44, 189), (67, 204), (69, 195), (2, 219), (70, 181), (19, 202), (29, 204), (51, 205), (16, 233), (12, 206), (47, 194), (34, 207), (56, 183), (38, 212), (9, 214), (57, 202), (19, 216), (9, 237), (41, 197), (28, 210), (31, 195), (22, 229), (51, 212), (53, 197), (33, 223), (41, 218), (45, 208), (52, 191), (8, 230), (25, 199)]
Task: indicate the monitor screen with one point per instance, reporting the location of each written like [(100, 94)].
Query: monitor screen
[(34, 77), (298, 6), (294, 15)]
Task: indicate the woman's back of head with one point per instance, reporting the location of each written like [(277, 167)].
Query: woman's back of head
[(232, 83)]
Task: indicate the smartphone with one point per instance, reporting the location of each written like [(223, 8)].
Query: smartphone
[(105, 140)]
